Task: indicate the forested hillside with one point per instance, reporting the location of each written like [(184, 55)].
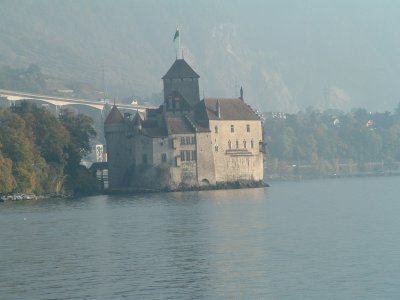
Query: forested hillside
[(40, 153), (333, 142)]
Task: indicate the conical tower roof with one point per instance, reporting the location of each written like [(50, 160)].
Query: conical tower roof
[(180, 69), (137, 120), (114, 116)]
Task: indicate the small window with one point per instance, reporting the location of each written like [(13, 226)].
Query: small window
[(216, 148), (182, 155), (232, 128), (237, 144), (164, 157), (194, 155), (216, 129), (252, 144), (187, 155), (188, 140), (248, 128), (229, 144), (183, 141), (244, 144)]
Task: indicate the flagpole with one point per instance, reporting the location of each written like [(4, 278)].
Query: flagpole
[(179, 42), (177, 36), (177, 46)]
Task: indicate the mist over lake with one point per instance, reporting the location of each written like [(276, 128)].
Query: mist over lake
[(299, 240)]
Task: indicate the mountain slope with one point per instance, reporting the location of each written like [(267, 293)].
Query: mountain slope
[(287, 55)]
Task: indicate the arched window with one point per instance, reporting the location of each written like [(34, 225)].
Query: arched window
[(252, 144), (229, 144), (237, 144), (244, 144), (232, 128)]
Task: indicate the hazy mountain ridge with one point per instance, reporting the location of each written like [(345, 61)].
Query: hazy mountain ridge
[(286, 55)]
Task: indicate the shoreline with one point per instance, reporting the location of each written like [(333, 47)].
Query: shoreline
[(27, 197), (220, 186), (303, 177)]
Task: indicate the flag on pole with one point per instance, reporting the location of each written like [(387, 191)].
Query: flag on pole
[(176, 34)]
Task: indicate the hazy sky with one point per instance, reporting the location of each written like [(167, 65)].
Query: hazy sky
[(286, 54)]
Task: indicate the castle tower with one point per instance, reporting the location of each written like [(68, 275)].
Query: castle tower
[(181, 87), (114, 130)]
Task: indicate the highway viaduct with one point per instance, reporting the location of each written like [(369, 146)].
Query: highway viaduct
[(59, 102)]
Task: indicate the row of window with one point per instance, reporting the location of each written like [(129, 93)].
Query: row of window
[(188, 155), (244, 144), (237, 145), (188, 140), (233, 128)]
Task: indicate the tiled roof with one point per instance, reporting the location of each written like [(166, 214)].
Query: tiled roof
[(231, 109), (137, 119), (114, 116), (178, 125), (180, 69), (151, 128), (200, 126)]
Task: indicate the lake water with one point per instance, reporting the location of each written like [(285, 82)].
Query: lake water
[(323, 239)]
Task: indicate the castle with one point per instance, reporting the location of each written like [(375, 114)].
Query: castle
[(186, 142)]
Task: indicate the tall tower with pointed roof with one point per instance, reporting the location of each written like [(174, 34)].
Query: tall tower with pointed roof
[(181, 87), (114, 130)]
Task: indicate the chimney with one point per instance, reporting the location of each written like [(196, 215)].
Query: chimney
[(218, 110), (137, 124)]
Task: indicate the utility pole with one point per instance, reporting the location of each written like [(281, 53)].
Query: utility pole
[(104, 83)]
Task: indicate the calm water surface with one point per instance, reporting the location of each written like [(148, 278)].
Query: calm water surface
[(336, 239)]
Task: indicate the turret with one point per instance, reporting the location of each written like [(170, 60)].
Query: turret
[(114, 130), (114, 121)]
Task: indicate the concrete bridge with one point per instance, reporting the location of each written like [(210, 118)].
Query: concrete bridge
[(58, 102)]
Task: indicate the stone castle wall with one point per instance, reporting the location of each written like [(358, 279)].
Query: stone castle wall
[(205, 159), (115, 138), (237, 154)]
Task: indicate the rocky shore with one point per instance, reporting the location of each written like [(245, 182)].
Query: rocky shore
[(241, 184), (180, 188), (22, 197)]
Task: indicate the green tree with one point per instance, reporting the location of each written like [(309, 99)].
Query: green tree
[(7, 180), (18, 146), (81, 130)]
